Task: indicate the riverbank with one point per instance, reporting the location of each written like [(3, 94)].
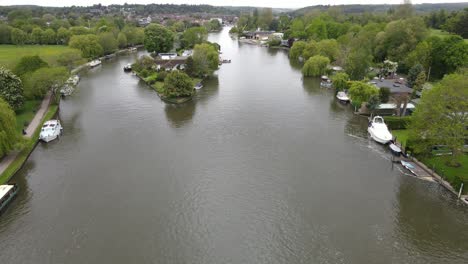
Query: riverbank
[(13, 162)]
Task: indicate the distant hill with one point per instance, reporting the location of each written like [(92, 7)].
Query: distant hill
[(350, 9)]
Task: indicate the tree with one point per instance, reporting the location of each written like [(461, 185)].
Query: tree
[(122, 40), (441, 116), (193, 36), (310, 49), (87, 44), (205, 59), (5, 34), (45, 79), (29, 64), (108, 42), (18, 37), (63, 35), (265, 18), (158, 38), (11, 89), (329, 48), (70, 59), (177, 84), (315, 66), (297, 29), (8, 135), (49, 37), (361, 92), (340, 81), (413, 74), (419, 83), (357, 63), (458, 23), (36, 36), (384, 94), (317, 29), (296, 50)]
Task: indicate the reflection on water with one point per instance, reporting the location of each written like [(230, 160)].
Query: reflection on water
[(179, 115)]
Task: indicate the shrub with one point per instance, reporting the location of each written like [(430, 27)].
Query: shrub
[(144, 73), (395, 122), (161, 76), (151, 79), (384, 94)]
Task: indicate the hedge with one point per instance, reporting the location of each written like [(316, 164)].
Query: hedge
[(396, 122)]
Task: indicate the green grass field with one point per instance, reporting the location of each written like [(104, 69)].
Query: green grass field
[(441, 33), (11, 54), (401, 135)]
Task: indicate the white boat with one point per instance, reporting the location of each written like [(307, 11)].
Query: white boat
[(395, 149), (128, 67), (409, 166), (51, 130), (378, 130), (342, 96), (7, 193), (73, 80), (325, 82), (198, 86), (94, 63), (132, 49)]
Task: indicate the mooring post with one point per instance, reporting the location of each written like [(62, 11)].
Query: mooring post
[(461, 189)]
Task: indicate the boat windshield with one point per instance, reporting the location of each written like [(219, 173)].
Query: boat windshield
[(378, 120)]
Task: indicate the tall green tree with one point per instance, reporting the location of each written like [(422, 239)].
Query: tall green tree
[(108, 42), (158, 38), (361, 92), (194, 36), (29, 64), (178, 84), (297, 49), (87, 44), (315, 66), (11, 89), (329, 48), (5, 34), (49, 37), (122, 40), (8, 135), (441, 116), (357, 63), (205, 59), (63, 35), (45, 79), (18, 36), (340, 81), (70, 59)]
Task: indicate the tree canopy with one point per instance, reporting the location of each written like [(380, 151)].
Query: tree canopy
[(29, 64), (193, 36), (11, 89), (205, 59), (158, 38), (178, 84), (441, 117), (8, 135), (87, 44), (361, 92), (315, 66)]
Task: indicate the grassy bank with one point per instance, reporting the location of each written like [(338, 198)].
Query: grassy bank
[(26, 114), (438, 163), (28, 148), (11, 54)]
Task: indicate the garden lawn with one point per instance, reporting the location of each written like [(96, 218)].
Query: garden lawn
[(11, 54), (26, 114), (449, 173)]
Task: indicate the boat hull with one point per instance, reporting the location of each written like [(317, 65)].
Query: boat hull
[(5, 203), (377, 138)]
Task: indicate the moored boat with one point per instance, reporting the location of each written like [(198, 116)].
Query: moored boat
[(342, 96), (325, 81), (7, 193), (198, 86), (395, 149), (73, 80), (409, 166), (378, 130), (94, 63), (51, 130), (128, 67)]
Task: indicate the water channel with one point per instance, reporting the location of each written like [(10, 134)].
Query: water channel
[(261, 167)]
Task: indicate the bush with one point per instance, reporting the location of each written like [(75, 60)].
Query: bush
[(144, 73), (151, 79), (384, 94), (161, 76), (395, 122), (274, 42)]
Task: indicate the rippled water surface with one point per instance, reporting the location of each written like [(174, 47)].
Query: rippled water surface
[(261, 167)]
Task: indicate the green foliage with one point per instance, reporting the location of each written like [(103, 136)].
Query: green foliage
[(329, 48), (413, 74), (205, 60), (5, 34), (36, 36), (296, 50), (357, 63), (177, 84), (233, 30), (108, 42), (158, 38), (315, 66), (361, 92), (49, 37), (29, 64), (384, 94), (63, 35), (213, 25), (8, 135), (440, 117), (11, 89), (340, 81), (274, 42), (373, 102), (87, 44), (135, 36), (143, 63), (122, 40), (70, 59), (398, 122), (43, 80), (458, 23), (193, 36), (161, 76), (317, 30), (311, 49), (18, 37)]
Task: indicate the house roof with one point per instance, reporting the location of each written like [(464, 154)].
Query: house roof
[(170, 63), (392, 85)]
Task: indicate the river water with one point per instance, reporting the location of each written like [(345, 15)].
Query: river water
[(261, 167)]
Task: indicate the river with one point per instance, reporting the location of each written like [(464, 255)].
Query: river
[(261, 167)]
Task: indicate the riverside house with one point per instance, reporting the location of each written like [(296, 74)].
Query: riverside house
[(170, 61), (399, 92)]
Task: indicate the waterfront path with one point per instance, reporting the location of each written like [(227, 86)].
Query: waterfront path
[(35, 122)]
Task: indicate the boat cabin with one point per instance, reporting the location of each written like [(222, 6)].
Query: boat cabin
[(7, 192)]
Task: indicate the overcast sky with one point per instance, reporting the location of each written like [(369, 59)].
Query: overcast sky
[(263, 3)]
